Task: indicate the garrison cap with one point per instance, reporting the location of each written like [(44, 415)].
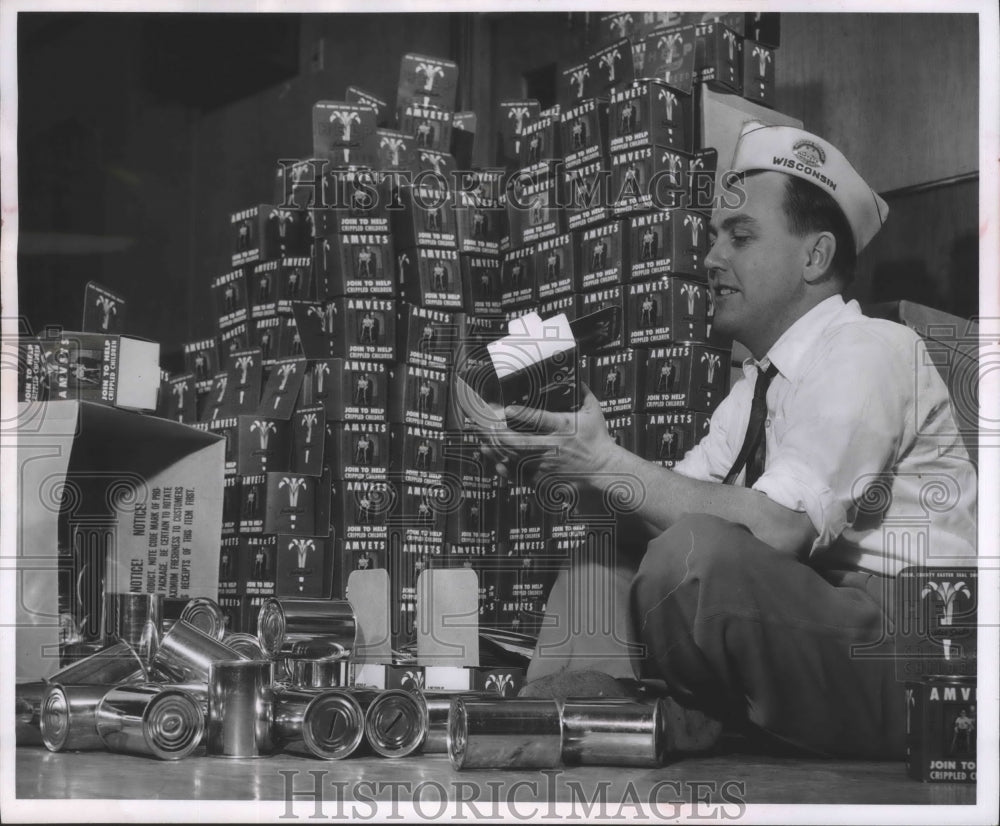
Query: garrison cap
[(807, 156)]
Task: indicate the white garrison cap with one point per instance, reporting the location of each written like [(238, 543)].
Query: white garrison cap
[(807, 156)]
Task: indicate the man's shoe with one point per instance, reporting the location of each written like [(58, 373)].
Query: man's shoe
[(565, 684), (687, 730)]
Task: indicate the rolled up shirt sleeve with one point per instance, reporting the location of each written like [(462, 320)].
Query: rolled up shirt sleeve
[(841, 421)]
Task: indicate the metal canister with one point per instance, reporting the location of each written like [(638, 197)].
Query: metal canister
[(504, 734), (206, 615), (240, 708), (246, 644), (165, 723), (113, 664), (135, 619), (319, 673), (281, 623), (328, 724), (186, 654), (68, 718), (438, 710), (27, 712), (396, 723), (612, 732)]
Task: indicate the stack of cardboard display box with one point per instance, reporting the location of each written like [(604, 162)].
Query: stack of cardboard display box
[(608, 205), (383, 265)]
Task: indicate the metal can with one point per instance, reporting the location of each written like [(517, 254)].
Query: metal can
[(135, 619), (27, 713), (941, 730), (281, 623), (504, 734), (396, 723), (186, 654), (166, 723), (328, 724), (240, 708), (68, 718), (206, 615), (438, 710), (113, 664), (319, 673), (612, 732)]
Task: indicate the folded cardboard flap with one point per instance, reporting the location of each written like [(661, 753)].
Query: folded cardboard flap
[(448, 617), (143, 492), (138, 374)]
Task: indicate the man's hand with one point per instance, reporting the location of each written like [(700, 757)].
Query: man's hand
[(575, 445)]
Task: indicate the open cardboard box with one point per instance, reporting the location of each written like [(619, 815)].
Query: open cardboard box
[(130, 501)]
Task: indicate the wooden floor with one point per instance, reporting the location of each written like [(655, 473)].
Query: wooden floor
[(726, 779)]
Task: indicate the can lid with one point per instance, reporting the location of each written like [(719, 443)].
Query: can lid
[(458, 733), (271, 626), (205, 615), (174, 724), (396, 723), (54, 718), (333, 725)]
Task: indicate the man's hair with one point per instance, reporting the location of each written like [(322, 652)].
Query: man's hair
[(809, 209)]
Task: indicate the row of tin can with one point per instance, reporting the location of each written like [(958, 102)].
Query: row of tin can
[(243, 713)]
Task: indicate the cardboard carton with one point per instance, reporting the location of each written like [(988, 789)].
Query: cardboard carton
[(92, 367), (145, 516), (344, 133), (603, 254)]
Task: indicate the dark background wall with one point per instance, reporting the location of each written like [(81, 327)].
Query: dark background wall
[(139, 134)]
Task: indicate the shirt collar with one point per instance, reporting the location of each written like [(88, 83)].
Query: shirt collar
[(791, 347)]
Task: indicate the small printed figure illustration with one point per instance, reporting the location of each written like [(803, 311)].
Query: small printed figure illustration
[(599, 255), (649, 244), (366, 260), (425, 397), (647, 317), (962, 739), (668, 444), (264, 289), (369, 330), (667, 378), (423, 455), (363, 390), (363, 450), (612, 380), (626, 119), (479, 224), (439, 276)]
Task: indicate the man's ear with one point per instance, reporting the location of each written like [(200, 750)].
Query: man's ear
[(819, 261)]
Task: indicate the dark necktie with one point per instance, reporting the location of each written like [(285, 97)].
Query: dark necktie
[(752, 452)]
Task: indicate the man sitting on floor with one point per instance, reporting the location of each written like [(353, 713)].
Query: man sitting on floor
[(770, 563)]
